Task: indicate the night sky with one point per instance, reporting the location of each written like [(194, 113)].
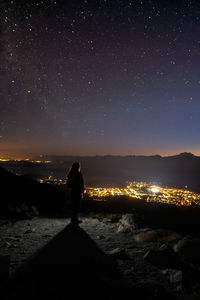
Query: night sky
[(99, 77)]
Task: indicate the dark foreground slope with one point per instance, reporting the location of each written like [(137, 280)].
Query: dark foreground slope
[(22, 196)]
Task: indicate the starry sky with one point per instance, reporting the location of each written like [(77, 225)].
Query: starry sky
[(99, 77)]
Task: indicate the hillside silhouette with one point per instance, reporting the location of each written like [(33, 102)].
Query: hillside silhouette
[(23, 196)]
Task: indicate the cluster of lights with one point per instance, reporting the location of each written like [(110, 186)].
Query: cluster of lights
[(4, 159), (151, 193), (26, 159), (52, 180), (138, 190), (40, 161)]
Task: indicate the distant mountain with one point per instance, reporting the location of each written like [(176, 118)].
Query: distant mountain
[(184, 155), (64, 158)]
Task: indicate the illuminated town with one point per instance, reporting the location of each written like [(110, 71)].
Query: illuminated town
[(52, 180), (152, 193), (135, 190), (138, 190), (26, 159)]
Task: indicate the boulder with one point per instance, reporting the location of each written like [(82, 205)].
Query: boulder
[(146, 236), (126, 223), (165, 259), (171, 238), (94, 221), (189, 249), (129, 222), (162, 235), (181, 245)]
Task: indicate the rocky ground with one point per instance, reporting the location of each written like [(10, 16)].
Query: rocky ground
[(157, 258)]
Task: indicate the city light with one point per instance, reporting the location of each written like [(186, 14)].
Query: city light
[(155, 190), (148, 192), (25, 159), (137, 190)]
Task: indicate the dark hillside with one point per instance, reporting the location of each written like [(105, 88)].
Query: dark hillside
[(21, 193)]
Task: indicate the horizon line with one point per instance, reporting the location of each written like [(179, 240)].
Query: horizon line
[(33, 157)]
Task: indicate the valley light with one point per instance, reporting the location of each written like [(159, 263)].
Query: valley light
[(155, 190)]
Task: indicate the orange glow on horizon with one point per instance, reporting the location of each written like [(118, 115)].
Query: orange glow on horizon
[(28, 155)]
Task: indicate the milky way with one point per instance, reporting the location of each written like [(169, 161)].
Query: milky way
[(99, 77)]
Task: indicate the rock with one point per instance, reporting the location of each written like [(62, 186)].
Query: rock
[(121, 228), (118, 253), (164, 247), (165, 259), (181, 245), (146, 236), (160, 234), (189, 249), (127, 223), (4, 267), (171, 238), (95, 221)]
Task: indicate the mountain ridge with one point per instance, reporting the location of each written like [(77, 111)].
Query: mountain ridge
[(180, 155)]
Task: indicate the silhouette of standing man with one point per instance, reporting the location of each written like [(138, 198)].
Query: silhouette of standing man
[(76, 188)]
